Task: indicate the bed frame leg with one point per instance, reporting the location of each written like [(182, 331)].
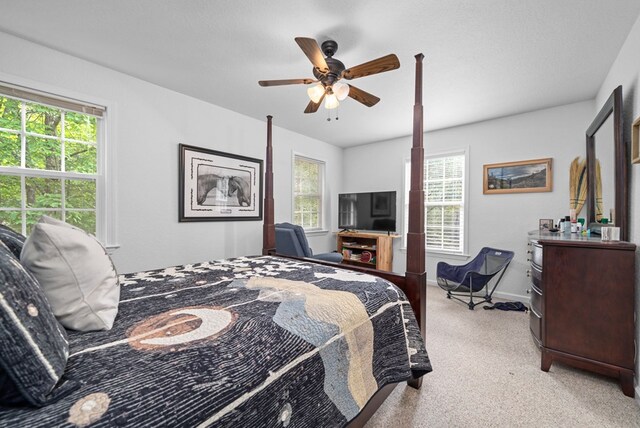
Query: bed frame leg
[(415, 383)]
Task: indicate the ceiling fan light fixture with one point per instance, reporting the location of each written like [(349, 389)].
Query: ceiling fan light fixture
[(328, 73), (331, 102), (341, 90), (316, 92)]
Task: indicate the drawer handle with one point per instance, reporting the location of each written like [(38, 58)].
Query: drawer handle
[(528, 291), (528, 273), (528, 259), (528, 251)]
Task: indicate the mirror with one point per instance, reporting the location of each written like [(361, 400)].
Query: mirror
[(607, 190), (605, 179)]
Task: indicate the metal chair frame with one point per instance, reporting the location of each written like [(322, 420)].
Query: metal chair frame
[(487, 297), (451, 287)]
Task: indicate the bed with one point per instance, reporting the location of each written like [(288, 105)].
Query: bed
[(250, 341)]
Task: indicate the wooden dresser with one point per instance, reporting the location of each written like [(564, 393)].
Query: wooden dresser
[(582, 303)]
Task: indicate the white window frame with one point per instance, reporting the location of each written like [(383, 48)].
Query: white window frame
[(106, 185), (323, 168), (465, 209)]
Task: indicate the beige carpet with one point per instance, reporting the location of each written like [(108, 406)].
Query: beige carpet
[(487, 373)]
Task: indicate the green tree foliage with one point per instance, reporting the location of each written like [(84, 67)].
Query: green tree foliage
[(307, 188), (54, 140), (9, 142)]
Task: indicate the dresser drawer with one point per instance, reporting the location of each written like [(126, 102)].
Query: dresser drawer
[(535, 325), (536, 300), (536, 276), (536, 254)]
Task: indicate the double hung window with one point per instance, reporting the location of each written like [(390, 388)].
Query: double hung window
[(50, 160), (444, 205), (308, 192)]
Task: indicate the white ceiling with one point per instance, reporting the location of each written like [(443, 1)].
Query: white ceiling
[(483, 58)]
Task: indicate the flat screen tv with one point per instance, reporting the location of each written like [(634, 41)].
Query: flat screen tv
[(367, 211)]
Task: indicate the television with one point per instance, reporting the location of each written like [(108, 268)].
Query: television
[(367, 211)]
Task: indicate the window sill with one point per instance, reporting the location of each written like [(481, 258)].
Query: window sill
[(316, 232), (448, 254)]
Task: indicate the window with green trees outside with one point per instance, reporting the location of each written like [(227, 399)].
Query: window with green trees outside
[(48, 164), (308, 192)]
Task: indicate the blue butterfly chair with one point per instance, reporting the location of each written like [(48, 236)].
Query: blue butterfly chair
[(474, 277), (292, 241)]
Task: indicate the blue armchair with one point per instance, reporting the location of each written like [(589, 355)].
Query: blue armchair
[(291, 241)]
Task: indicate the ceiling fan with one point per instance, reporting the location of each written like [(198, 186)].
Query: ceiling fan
[(329, 72)]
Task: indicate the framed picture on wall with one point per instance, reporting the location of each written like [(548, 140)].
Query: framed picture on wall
[(635, 141), (518, 177), (218, 186)]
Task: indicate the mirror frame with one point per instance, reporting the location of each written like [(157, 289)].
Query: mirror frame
[(613, 105)]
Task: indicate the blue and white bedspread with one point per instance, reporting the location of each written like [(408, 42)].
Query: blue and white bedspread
[(245, 342)]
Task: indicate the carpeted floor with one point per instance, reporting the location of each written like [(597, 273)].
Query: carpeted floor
[(487, 373)]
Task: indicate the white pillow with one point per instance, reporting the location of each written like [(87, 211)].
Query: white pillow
[(75, 273)]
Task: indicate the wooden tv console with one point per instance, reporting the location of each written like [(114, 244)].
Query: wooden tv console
[(353, 244)]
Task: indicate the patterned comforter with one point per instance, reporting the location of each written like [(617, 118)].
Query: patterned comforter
[(245, 342)]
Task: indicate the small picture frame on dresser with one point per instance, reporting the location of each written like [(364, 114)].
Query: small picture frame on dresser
[(545, 224)]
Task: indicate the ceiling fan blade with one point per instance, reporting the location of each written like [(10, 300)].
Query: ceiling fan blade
[(285, 82), (312, 51), (380, 65), (363, 97), (313, 107)]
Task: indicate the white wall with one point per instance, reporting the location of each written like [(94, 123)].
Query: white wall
[(625, 71), (148, 123), (500, 221)]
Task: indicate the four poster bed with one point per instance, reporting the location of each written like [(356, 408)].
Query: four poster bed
[(414, 282), (251, 341)]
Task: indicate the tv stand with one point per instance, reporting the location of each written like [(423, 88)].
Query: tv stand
[(352, 245)]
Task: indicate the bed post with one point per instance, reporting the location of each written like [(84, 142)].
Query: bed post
[(268, 227), (416, 276)]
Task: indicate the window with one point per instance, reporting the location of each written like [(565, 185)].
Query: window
[(308, 190), (50, 150), (445, 195)]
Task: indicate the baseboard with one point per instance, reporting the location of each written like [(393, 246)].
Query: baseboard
[(511, 296), (498, 294)]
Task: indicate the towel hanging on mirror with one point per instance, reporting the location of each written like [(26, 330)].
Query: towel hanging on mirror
[(577, 184)]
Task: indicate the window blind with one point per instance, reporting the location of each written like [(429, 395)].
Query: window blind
[(27, 94)]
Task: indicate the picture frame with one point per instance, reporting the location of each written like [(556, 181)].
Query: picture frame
[(526, 176), (635, 141), (545, 224), (380, 204), (218, 186)]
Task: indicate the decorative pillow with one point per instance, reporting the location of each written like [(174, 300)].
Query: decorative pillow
[(12, 239), (33, 345), (75, 273)]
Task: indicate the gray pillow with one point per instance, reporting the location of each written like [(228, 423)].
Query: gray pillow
[(75, 273), (33, 345), (12, 239)]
